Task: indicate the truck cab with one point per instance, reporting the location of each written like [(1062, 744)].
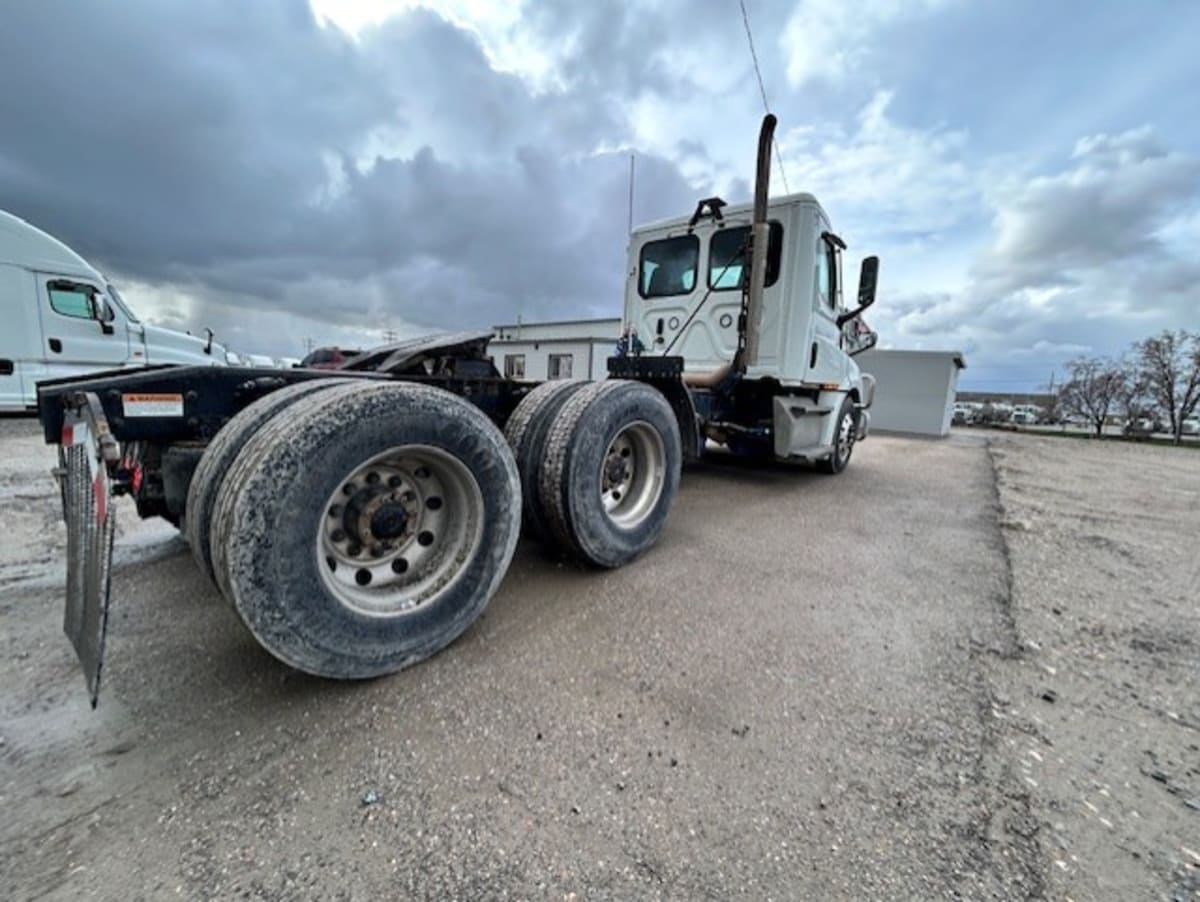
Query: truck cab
[(686, 294), (63, 318)]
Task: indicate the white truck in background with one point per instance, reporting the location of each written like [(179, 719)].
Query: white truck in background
[(61, 317)]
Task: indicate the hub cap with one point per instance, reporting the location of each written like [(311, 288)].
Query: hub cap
[(398, 530), (632, 474)]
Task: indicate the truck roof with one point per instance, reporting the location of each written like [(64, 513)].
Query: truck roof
[(730, 210), (25, 245)]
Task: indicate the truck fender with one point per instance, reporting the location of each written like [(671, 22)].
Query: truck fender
[(681, 403)]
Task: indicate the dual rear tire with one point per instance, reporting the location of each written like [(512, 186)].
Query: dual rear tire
[(600, 465), (362, 527), (358, 527)]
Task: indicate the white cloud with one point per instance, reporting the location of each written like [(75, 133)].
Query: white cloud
[(1082, 260), (886, 177), (1105, 209), (830, 39), (495, 25)]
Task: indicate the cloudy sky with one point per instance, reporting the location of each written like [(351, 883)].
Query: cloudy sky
[(1029, 172)]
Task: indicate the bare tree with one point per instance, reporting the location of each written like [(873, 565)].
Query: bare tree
[(1052, 405), (1134, 399), (1169, 365), (1091, 390)]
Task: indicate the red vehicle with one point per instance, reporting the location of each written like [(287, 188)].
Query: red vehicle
[(327, 358)]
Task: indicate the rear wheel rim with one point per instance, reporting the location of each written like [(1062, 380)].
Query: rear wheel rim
[(398, 530), (633, 473)]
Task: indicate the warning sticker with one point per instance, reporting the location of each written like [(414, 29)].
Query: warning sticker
[(152, 405)]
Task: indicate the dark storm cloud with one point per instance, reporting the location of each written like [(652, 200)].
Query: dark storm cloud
[(271, 164)]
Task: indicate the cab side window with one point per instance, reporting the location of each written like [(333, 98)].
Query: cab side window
[(826, 293), (72, 299), (727, 264), (668, 267)]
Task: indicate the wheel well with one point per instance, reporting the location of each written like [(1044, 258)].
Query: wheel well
[(680, 400)]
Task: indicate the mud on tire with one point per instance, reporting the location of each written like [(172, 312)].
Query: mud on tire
[(526, 432), (219, 457), (610, 471), (368, 528)]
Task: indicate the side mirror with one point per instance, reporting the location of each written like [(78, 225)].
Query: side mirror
[(103, 313), (868, 277)]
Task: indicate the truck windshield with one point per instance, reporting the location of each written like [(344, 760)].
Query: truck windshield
[(120, 302)]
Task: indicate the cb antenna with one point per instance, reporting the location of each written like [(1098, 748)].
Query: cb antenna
[(629, 229)]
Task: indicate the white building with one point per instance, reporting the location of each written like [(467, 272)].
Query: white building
[(914, 390), (560, 350)]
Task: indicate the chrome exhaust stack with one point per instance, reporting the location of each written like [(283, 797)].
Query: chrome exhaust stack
[(750, 322)]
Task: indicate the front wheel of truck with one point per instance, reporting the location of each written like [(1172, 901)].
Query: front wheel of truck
[(369, 531), (844, 435)]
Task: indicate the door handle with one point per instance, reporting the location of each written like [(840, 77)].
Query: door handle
[(56, 346)]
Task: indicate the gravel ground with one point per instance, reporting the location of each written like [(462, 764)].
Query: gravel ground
[(1103, 699), (962, 669)]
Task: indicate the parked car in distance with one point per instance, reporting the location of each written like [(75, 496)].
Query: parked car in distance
[(1144, 426)]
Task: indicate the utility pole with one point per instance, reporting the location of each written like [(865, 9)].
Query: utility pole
[(389, 336), (308, 345)]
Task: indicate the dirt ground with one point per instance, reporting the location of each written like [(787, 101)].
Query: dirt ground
[(966, 668)]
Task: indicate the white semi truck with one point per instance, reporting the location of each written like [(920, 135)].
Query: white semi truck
[(61, 317), (359, 519)]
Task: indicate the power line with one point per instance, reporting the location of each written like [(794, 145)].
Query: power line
[(762, 91)]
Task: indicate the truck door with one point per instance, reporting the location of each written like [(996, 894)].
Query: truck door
[(79, 327), (826, 362)]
